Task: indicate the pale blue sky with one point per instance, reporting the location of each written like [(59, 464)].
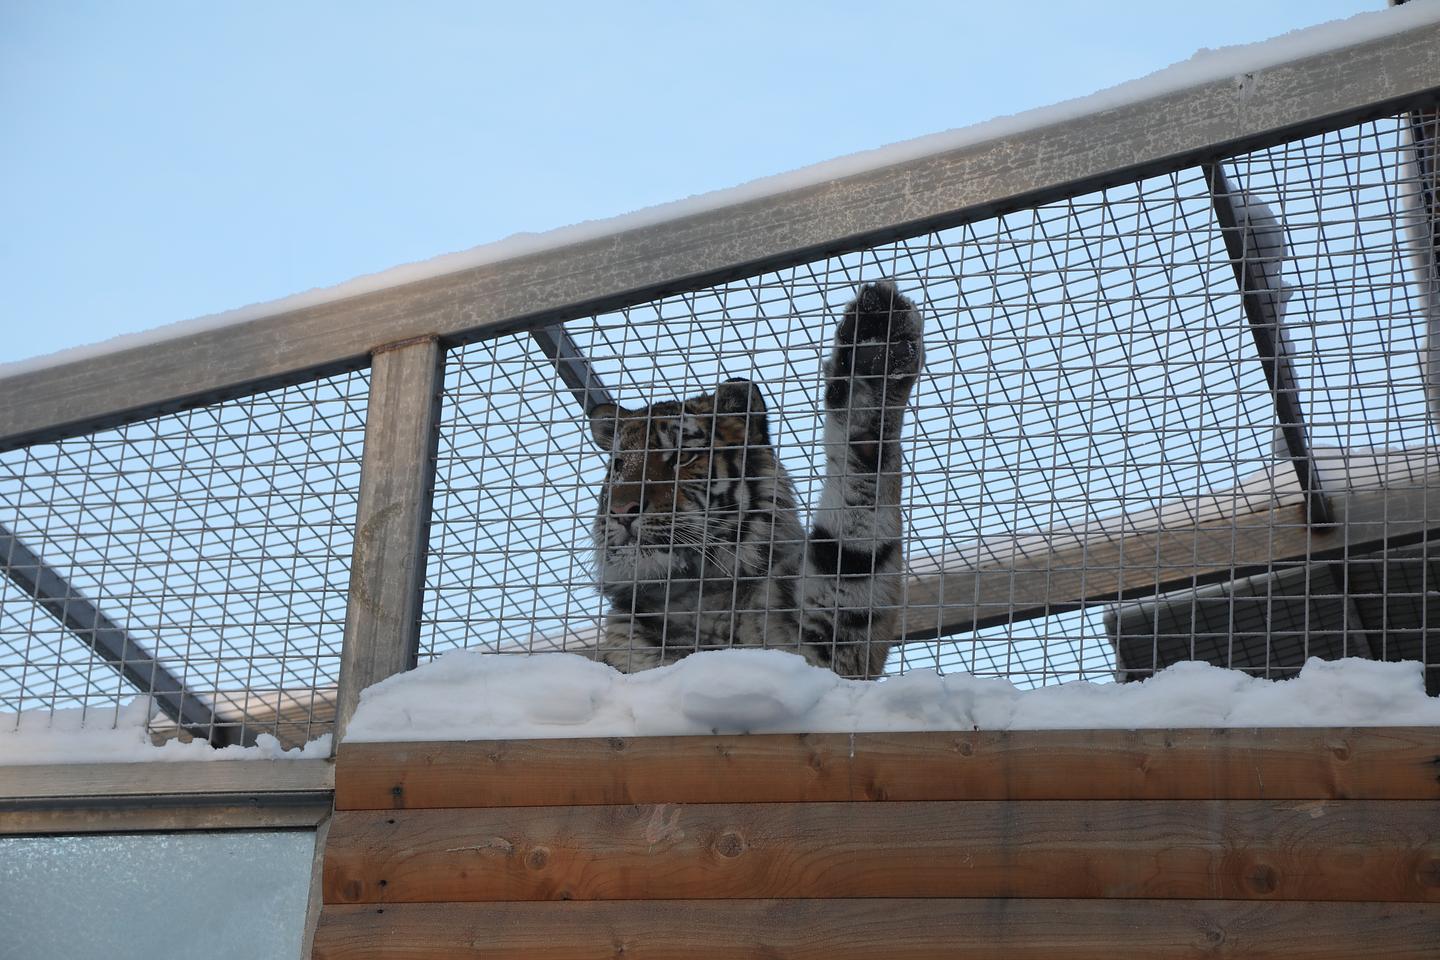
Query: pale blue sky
[(163, 161)]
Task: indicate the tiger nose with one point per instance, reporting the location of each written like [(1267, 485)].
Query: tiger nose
[(625, 513)]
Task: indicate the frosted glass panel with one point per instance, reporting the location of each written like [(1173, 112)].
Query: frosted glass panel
[(221, 896)]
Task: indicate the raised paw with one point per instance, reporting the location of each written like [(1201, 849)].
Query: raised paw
[(880, 335)]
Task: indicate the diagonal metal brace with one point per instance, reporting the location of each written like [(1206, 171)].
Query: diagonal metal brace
[(81, 617), (573, 366), (1261, 302)]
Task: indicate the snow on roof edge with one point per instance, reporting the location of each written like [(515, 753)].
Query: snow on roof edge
[(1204, 66)]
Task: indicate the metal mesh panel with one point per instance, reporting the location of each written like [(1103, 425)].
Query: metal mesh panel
[(1099, 450), (200, 557)]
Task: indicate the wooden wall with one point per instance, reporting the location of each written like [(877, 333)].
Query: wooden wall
[(1051, 845)]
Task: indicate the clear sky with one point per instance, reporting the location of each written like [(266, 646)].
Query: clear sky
[(160, 161)]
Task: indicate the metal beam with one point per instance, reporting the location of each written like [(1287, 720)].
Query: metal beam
[(1425, 255), (179, 795), (573, 366), (1262, 302), (58, 597), (941, 182)]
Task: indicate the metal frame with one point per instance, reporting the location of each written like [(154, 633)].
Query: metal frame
[(183, 795), (406, 328)]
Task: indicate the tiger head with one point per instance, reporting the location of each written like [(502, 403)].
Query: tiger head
[(682, 477)]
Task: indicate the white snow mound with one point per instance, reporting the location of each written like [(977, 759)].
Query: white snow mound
[(466, 695)]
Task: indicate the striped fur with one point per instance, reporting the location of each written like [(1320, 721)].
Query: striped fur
[(698, 540)]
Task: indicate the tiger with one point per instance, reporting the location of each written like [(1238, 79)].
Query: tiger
[(697, 535)]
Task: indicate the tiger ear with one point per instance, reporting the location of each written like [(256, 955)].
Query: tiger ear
[(604, 421), (739, 397)]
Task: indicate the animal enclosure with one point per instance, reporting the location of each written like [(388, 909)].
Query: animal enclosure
[(1178, 403), (1096, 424)]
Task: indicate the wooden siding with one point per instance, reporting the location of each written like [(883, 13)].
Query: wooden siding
[(1313, 843)]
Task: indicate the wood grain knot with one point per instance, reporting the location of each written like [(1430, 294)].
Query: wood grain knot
[(1263, 878), (1428, 873), (730, 844), (352, 891), (537, 859), (965, 748)]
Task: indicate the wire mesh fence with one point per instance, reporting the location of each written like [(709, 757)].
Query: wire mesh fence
[(1150, 422), (197, 561), (1187, 417)]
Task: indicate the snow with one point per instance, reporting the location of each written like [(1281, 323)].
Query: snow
[(468, 695), (120, 736), (1205, 66)]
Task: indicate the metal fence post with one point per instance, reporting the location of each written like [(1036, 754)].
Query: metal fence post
[(397, 478)]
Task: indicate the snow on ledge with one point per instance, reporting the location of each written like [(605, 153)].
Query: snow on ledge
[(467, 695), (120, 736), (1205, 66)]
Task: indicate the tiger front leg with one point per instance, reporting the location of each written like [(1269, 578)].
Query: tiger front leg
[(854, 562)]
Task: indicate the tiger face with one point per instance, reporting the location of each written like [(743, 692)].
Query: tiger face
[(679, 484)]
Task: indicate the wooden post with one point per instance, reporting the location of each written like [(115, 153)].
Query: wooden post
[(392, 522)]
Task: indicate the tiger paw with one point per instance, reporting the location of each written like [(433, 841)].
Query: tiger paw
[(879, 336)]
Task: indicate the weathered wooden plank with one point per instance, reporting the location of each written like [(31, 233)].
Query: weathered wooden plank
[(893, 929), (382, 617), (934, 186), (1167, 849), (1396, 763)]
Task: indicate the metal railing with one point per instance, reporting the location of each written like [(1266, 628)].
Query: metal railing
[(1177, 379)]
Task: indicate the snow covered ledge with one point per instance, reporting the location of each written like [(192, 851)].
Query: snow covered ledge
[(467, 695)]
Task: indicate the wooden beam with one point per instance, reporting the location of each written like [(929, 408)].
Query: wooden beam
[(1083, 567), (1159, 849), (1396, 763), (975, 929), (397, 474), (933, 188)]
